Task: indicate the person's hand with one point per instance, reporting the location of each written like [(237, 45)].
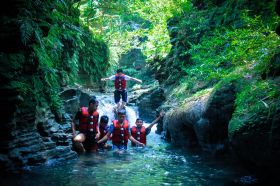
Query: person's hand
[(162, 113), (140, 81), (142, 144), (97, 136), (102, 79)]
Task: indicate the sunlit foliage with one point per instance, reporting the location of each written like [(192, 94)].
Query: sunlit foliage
[(133, 24)]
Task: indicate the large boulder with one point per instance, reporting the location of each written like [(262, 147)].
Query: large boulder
[(254, 129), (149, 102), (203, 119), (73, 99)]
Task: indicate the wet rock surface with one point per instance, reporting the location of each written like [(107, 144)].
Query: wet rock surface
[(200, 122), (204, 122), (257, 145), (149, 102), (32, 136)]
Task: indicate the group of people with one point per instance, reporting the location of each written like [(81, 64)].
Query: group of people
[(94, 134)]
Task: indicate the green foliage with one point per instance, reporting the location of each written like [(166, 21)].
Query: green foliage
[(192, 47), (59, 48), (23, 87), (257, 101), (215, 57), (133, 24), (26, 31), (209, 47)]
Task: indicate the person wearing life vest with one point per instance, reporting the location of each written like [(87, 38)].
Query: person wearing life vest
[(139, 132), (120, 131), (88, 127), (120, 87), (103, 128)]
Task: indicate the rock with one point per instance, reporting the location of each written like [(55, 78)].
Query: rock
[(73, 99), (254, 134), (60, 139), (33, 137), (83, 99), (200, 122), (149, 102), (134, 58), (219, 109), (179, 123), (5, 163), (257, 145)]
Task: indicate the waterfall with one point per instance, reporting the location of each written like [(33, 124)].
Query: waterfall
[(106, 107)]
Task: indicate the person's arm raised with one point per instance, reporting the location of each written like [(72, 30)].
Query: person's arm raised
[(156, 120), (135, 79), (104, 79), (108, 78)]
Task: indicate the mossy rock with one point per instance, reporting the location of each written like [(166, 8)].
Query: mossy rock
[(259, 99), (254, 130)]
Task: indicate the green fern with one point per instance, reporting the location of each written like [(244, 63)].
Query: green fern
[(26, 31), (23, 87)]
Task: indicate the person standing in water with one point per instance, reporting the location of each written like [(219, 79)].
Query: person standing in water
[(139, 132), (120, 131), (103, 128), (120, 87), (88, 127)]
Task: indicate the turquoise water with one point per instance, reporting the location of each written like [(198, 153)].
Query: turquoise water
[(157, 164)]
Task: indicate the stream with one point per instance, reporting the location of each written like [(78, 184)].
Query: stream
[(159, 163)]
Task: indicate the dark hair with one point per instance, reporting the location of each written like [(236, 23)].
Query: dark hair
[(122, 112), (139, 119), (119, 70), (92, 100), (104, 119)]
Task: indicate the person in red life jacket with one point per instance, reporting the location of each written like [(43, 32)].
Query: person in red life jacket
[(120, 131), (103, 128), (120, 87), (139, 132), (88, 127)]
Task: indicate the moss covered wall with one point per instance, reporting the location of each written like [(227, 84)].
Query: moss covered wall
[(229, 44), (43, 48)]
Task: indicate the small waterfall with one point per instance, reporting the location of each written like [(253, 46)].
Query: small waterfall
[(106, 107), (156, 164)]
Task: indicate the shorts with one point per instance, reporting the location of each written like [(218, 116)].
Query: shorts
[(119, 146), (118, 94), (90, 144)]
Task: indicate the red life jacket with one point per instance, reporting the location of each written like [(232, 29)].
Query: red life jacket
[(120, 133), (88, 123), (139, 135), (120, 82)]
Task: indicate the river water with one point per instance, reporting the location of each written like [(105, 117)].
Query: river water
[(157, 164)]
